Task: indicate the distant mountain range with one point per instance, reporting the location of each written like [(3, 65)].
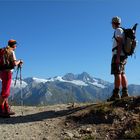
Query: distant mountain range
[(63, 89)]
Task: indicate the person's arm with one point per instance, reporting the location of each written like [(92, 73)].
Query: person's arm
[(119, 48), (17, 62)]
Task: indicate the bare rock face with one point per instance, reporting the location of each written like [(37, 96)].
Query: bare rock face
[(109, 120)]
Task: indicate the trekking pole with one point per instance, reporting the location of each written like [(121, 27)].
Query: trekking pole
[(21, 95), (16, 76), (12, 97)]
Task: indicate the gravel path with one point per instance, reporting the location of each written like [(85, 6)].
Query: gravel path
[(36, 123)]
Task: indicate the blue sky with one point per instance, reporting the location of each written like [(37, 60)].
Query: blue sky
[(60, 36)]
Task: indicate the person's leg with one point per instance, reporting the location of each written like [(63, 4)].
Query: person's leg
[(117, 80), (6, 83), (124, 86), (6, 77), (116, 90), (124, 82), (1, 98), (2, 101), (7, 108), (117, 84)]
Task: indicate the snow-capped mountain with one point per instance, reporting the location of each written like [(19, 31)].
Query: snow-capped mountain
[(83, 79), (18, 84), (62, 89)]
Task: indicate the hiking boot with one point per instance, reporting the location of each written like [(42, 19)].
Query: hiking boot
[(10, 112), (3, 114), (124, 93), (114, 96), (7, 109)]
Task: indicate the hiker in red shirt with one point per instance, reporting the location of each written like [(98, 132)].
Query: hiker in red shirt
[(9, 60)]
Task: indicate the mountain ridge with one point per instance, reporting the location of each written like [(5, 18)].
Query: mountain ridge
[(64, 89)]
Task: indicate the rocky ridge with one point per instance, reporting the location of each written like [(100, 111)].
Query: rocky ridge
[(106, 120)]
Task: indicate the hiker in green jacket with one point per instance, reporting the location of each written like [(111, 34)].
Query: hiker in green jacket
[(119, 60)]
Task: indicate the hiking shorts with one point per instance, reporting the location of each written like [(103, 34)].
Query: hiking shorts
[(118, 68)]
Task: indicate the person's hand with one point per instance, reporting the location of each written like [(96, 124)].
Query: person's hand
[(20, 63)]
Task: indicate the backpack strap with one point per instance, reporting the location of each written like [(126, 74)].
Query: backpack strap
[(115, 48), (114, 34)]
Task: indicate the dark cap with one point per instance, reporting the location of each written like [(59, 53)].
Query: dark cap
[(11, 42)]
